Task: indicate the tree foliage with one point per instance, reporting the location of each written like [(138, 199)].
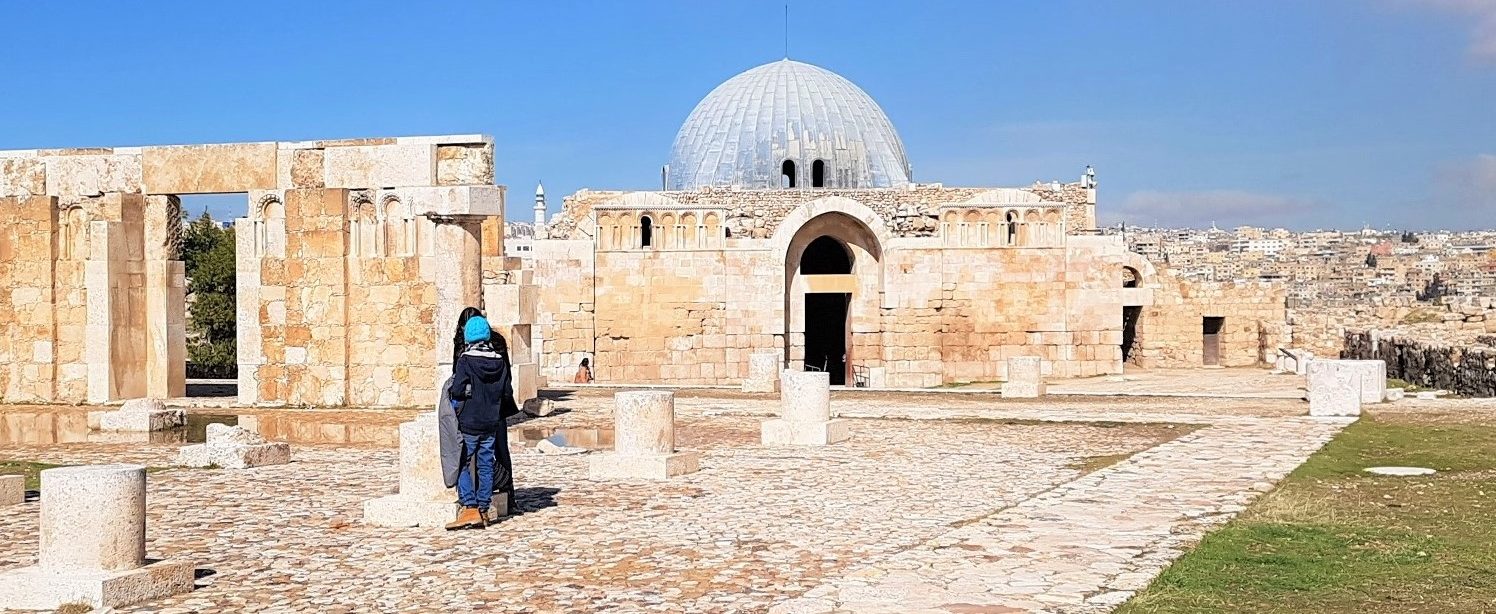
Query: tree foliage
[(208, 257)]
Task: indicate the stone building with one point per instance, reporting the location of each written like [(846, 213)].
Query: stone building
[(353, 262), (791, 223)]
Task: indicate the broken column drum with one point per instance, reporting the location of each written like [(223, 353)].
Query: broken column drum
[(805, 412), (92, 531), (1025, 378), (423, 499), (763, 373), (643, 440)]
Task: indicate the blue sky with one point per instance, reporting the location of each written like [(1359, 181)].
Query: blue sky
[(1278, 112)]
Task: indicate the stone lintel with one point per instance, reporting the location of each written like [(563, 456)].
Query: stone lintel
[(38, 588), (209, 169), (779, 432), (615, 466), (468, 200)]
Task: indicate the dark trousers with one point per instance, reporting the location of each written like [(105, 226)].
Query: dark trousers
[(503, 467)]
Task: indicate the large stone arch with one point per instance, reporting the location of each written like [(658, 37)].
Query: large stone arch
[(864, 235)]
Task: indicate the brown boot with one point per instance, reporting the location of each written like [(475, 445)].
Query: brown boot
[(467, 518)]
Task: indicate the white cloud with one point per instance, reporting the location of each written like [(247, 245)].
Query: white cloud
[(1225, 208), (1482, 17)]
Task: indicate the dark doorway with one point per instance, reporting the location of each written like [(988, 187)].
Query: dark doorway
[(787, 170), (826, 334), (818, 174), (826, 256), (1212, 340), (1130, 317)]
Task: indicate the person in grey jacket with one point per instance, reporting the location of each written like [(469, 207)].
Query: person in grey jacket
[(451, 437)]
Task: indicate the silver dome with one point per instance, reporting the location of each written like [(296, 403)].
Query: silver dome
[(744, 132)]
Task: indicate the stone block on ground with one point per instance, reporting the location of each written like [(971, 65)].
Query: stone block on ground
[(1373, 378), (12, 489), (1334, 388), (539, 407), (763, 373), (423, 499), (138, 420), (1025, 378), (1394, 394), (92, 533), (783, 432), (233, 447)]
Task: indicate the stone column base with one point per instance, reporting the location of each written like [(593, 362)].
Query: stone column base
[(401, 512), (1022, 390), (780, 432), (35, 588), (750, 385), (139, 421), (12, 489), (614, 466)]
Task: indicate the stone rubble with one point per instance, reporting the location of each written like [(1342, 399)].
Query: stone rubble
[(233, 447)]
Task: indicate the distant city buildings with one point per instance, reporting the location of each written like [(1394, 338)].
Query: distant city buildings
[(1329, 267)]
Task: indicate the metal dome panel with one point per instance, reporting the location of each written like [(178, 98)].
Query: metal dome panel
[(742, 133)]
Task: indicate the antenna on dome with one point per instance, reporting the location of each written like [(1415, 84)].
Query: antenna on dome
[(786, 30)]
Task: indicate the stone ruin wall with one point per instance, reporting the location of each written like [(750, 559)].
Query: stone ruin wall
[(353, 261), (1466, 370), (1170, 329)]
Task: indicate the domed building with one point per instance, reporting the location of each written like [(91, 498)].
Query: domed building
[(787, 124), (789, 223)]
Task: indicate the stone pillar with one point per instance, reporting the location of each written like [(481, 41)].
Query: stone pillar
[(1373, 378), (511, 303), (1025, 378), (165, 300), (459, 270), (643, 440), (423, 499), (763, 373), (98, 281), (248, 334), (1334, 388), (93, 544), (805, 412), (12, 489)]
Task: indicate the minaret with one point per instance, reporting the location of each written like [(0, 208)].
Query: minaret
[(539, 210)]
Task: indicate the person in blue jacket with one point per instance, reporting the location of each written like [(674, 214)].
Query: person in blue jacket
[(482, 396)]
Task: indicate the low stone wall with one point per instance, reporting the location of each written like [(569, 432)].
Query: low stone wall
[(1469, 371)]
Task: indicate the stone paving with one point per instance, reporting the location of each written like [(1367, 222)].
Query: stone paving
[(988, 512)]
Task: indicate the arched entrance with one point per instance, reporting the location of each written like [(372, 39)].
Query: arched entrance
[(831, 293)]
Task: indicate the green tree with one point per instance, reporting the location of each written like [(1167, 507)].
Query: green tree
[(208, 257)]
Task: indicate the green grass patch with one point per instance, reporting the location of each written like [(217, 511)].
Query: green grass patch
[(1088, 464), (33, 471), (1335, 539), (1407, 386)]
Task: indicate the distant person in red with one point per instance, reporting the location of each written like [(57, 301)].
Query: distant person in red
[(584, 373)]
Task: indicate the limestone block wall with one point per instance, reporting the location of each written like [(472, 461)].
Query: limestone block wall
[(353, 263), (564, 271), (1170, 331)]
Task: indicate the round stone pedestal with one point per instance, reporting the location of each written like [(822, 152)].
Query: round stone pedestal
[(93, 517), (644, 422), (805, 396), (643, 440), (805, 412)]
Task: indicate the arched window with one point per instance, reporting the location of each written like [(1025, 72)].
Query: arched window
[(396, 244), (788, 171), (818, 174), (1130, 277), (1012, 219), (646, 231)]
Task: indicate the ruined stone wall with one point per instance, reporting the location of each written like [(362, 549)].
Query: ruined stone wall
[(28, 337), (353, 264), (1170, 331), (1467, 370)]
